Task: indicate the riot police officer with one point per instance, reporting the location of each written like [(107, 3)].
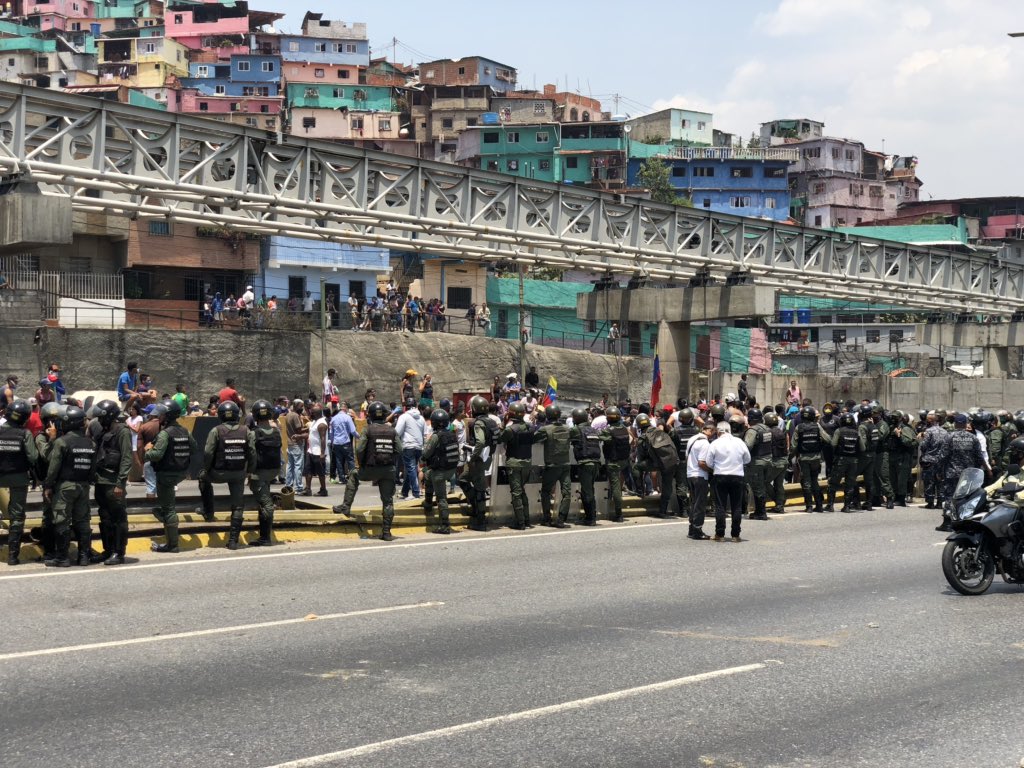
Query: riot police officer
[(586, 446), (266, 437), (686, 427), (518, 438), (775, 482), (480, 441), (228, 456), (555, 437), (52, 415), (113, 464), (934, 440), (655, 451), (18, 458), (71, 469), (377, 447), (808, 438), (616, 455), (440, 460), (867, 429), (758, 439), (170, 455), (848, 446)]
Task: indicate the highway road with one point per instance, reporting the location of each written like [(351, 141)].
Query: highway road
[(822, 640)]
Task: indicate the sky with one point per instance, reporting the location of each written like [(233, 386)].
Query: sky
[(939, 79)]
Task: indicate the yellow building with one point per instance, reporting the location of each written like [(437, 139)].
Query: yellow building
[(140, 62)]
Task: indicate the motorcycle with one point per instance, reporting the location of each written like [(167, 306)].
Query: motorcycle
[(988, 535)]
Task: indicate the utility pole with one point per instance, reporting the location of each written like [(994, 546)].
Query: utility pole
[(323, 329), (522, 321)]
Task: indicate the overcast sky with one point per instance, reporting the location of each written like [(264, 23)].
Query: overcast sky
[(938, 79)]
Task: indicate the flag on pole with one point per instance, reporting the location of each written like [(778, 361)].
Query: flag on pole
[(656, 384), (552, 392)]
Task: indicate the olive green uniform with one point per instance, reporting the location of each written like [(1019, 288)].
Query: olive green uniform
[(615, 438), (440, 460), (649, 459), (228, 457), (70, 472), (868, 432), (776, 479), (267, 447), (18, 452), (808, 440), (883, 463), (758, 440), (902, 451), (377, 464), (43, 447), (163, 456), (555, 438), (518, 439), (480, 440), (848, 448), (114, 463), (586, 445)]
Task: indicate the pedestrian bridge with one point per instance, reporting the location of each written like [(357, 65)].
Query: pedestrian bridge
[(108, 157)]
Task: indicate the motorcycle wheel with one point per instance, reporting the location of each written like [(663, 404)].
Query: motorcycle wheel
[(964, 575)]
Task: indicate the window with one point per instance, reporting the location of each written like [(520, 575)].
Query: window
[(491, 137), (543, 137), (263, 90), (357, 288), (459, 297), (234, 106), (462, 70), (538, 108), (875, 191), (769, 202), (350, 48), (357, 124), (512, 165), (840, 222), (159, 228), (572, 162), (339, 47), (219, 90), (856, 189), (446, 122), (742, 173), (775, 173), (873, 336), (318, 73), (293, 46), (312, 93), (429, 74), (818, 188), (813, 152), (248, 90), (76, 26), (512, 137), (339, 93), (359, 94), (10, 62), (343, 74), (204, 106), (707, 202), (835, 153), (308, 122), (838, 336), (320, 47), (704, 171), (150, 48), (265, 109), (383, 125), (701, 125), (817, 221), (271, 122), (684, 123), (678, 171), (243, 66), (178, 19), (849, 154), (471, 122), (79, 264), (296, 287), (740, 201), (492, 165), (267, 66), (544, 165), (251, 121)]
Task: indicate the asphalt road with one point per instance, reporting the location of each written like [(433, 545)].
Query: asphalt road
[(823, 640)]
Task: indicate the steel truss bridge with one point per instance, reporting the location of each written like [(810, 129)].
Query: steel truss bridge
[(118, 159)]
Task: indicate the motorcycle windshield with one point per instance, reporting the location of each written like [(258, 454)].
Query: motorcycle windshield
[(970, 480)]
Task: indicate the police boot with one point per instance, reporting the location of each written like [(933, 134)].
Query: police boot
[(345, 508), (830, 507), (61, 542), (480, 521), (818, 501), (46, 541), (591, 517), (236, 529), (760, 509), (266, 528), (808, 506), (13, 547), (171, 545), (385, 531), (118, 544), (206, 493)]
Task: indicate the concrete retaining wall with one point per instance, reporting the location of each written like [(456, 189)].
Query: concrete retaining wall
[(21, 309)]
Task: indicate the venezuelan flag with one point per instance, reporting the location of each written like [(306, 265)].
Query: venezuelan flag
[(552, 393)]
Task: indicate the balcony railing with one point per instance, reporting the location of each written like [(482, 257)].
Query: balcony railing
[(733, 153), (73, 285)]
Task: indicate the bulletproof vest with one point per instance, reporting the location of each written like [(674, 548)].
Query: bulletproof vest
[(683, 433), (109, 448), (829, 425), (178, 455), (521, 444), (779, 449), (446, 457), (13, 459), (808, 439), (588, 447), (380, 446), (762, 448), (556, 447), (874, 436), (489, 431), (229, 455), (617, 449), (663, 448), (268, 448), (79, 458), (848, 440)]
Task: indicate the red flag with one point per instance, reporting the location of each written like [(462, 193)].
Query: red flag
[(656, 384)]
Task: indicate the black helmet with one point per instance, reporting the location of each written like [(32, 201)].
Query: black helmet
[(643, 422), (517, 411), (173, 409), (580, 416), (807, 413), (409, 402), (718, 412), (50, 412), (553, 413), (686, 415), (262, 410), (228, 412), (771, 419), (106, 412), (864, 412), (445, 405), (439, 419), (894, 417), (17, 413), (754, 416), (922, 414), (159, 413), (1016, 450), (980, 419), (377, 411), (613, 414), (74, 418), (1018, 421), (737, 425), (846, 420), (478, 405)]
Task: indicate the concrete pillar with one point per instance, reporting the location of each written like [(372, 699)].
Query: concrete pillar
[(674, 354), (997, 362)]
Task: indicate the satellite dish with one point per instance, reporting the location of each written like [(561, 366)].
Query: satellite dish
[(627, 128)]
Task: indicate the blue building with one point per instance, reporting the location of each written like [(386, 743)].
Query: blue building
[(348, 52), (242, 75), (743, 182)]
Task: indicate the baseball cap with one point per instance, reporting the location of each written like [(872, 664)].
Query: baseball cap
[(149, 408), (960, 418)]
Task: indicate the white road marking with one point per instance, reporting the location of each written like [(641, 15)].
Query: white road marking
[(528, 714), (216, 631)]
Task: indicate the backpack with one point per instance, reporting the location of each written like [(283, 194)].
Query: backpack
[(663, 449)]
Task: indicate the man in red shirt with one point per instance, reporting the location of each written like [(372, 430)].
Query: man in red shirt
[(230, 393), (34, 423)]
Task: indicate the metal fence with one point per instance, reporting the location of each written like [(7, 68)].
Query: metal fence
[(53, 286)]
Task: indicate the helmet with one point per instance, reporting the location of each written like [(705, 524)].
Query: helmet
[(737, 425), (516, 411), (807, 413), (846, 420), (553, 413), (828, 409), (18, 412), (864, 412), (771, 419), (174, 410), (74, 418), (378, 412), (478, 405), (731, 398), (643, 422), (445, 405), (754, 416), (686, 416), (409, 402), (1004, 416), (613, 414), (894, 417), (922, 414), (160, 412), (262, 410), (227, 412), (439, 420), (580, 416), (50, 411), (980, 419), (1016, 450), (106, 412), (718, 412)]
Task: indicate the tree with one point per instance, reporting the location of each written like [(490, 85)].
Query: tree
[(654, 176)]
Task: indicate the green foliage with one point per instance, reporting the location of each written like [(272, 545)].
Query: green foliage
[(654, 176), (656, 138)]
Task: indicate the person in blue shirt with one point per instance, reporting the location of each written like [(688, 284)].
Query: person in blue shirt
[(128, 387), (342, 434)]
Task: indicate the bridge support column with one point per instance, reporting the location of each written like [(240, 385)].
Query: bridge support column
[(997, 362), (674, 355)]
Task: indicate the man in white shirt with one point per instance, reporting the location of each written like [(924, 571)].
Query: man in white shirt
[(697, 448), (411, 429), (727, 456)]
